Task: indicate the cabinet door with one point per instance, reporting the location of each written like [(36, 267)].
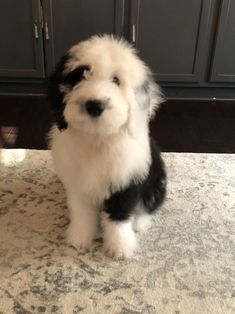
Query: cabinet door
[(223, 65), (69, 22), (171, 36), (21, 52)]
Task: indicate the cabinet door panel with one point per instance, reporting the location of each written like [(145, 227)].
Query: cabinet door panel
[(75, 20), (223, 65), (171, 36), (21, 54)]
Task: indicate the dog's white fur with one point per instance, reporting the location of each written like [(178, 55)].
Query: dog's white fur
[(93, 155)]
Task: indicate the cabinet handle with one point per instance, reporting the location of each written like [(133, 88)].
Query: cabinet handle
[(47, 34), (36, 34), (133, 33)]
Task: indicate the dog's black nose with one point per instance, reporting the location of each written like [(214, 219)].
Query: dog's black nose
[(94, 108)]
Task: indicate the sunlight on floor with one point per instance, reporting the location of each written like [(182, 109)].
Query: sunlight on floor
[(12, 157)]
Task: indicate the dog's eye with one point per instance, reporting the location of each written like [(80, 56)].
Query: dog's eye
[(116, 80), (86, 73)]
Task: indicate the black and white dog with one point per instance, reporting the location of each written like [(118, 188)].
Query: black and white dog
[(103, 97)]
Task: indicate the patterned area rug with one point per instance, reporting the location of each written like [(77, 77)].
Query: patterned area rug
[(185, 263)]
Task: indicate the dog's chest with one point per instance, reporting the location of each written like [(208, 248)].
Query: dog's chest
[(94, 171), (102, 163)]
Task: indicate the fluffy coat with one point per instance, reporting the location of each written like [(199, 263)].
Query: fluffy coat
[(103, 97)]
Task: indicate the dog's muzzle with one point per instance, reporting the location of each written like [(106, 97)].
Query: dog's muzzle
[(94, 108)]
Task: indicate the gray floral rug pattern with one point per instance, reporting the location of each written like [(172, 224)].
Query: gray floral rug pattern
[(185, 263)]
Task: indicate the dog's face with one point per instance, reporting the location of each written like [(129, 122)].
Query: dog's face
[(99, 86)]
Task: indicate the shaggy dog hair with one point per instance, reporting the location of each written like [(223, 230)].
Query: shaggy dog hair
[(103, 97)]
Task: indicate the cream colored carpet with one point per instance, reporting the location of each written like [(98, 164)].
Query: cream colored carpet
[(185, 264)]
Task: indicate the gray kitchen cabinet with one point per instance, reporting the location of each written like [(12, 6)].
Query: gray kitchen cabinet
[(223, 65), (21, 50), (189, 44), (171, 36), (69, 22)]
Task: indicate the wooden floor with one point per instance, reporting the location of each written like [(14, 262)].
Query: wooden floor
[(179, 126)]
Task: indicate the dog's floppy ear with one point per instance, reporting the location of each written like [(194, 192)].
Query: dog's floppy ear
[(60, 83), (149, 95), (55, 93)]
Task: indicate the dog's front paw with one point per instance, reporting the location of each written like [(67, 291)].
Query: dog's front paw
[(120, 246), (141, 223), (78, 238)]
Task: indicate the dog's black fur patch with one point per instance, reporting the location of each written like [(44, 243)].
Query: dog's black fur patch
[(151, 191), (54, 92), (121, 204), (55, 96), (76, 76), (154, 188)]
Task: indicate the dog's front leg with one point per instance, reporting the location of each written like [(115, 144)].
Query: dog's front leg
[(118, 235), (83, 221)]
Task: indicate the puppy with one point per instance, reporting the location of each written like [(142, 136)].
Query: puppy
[(103, 97)]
